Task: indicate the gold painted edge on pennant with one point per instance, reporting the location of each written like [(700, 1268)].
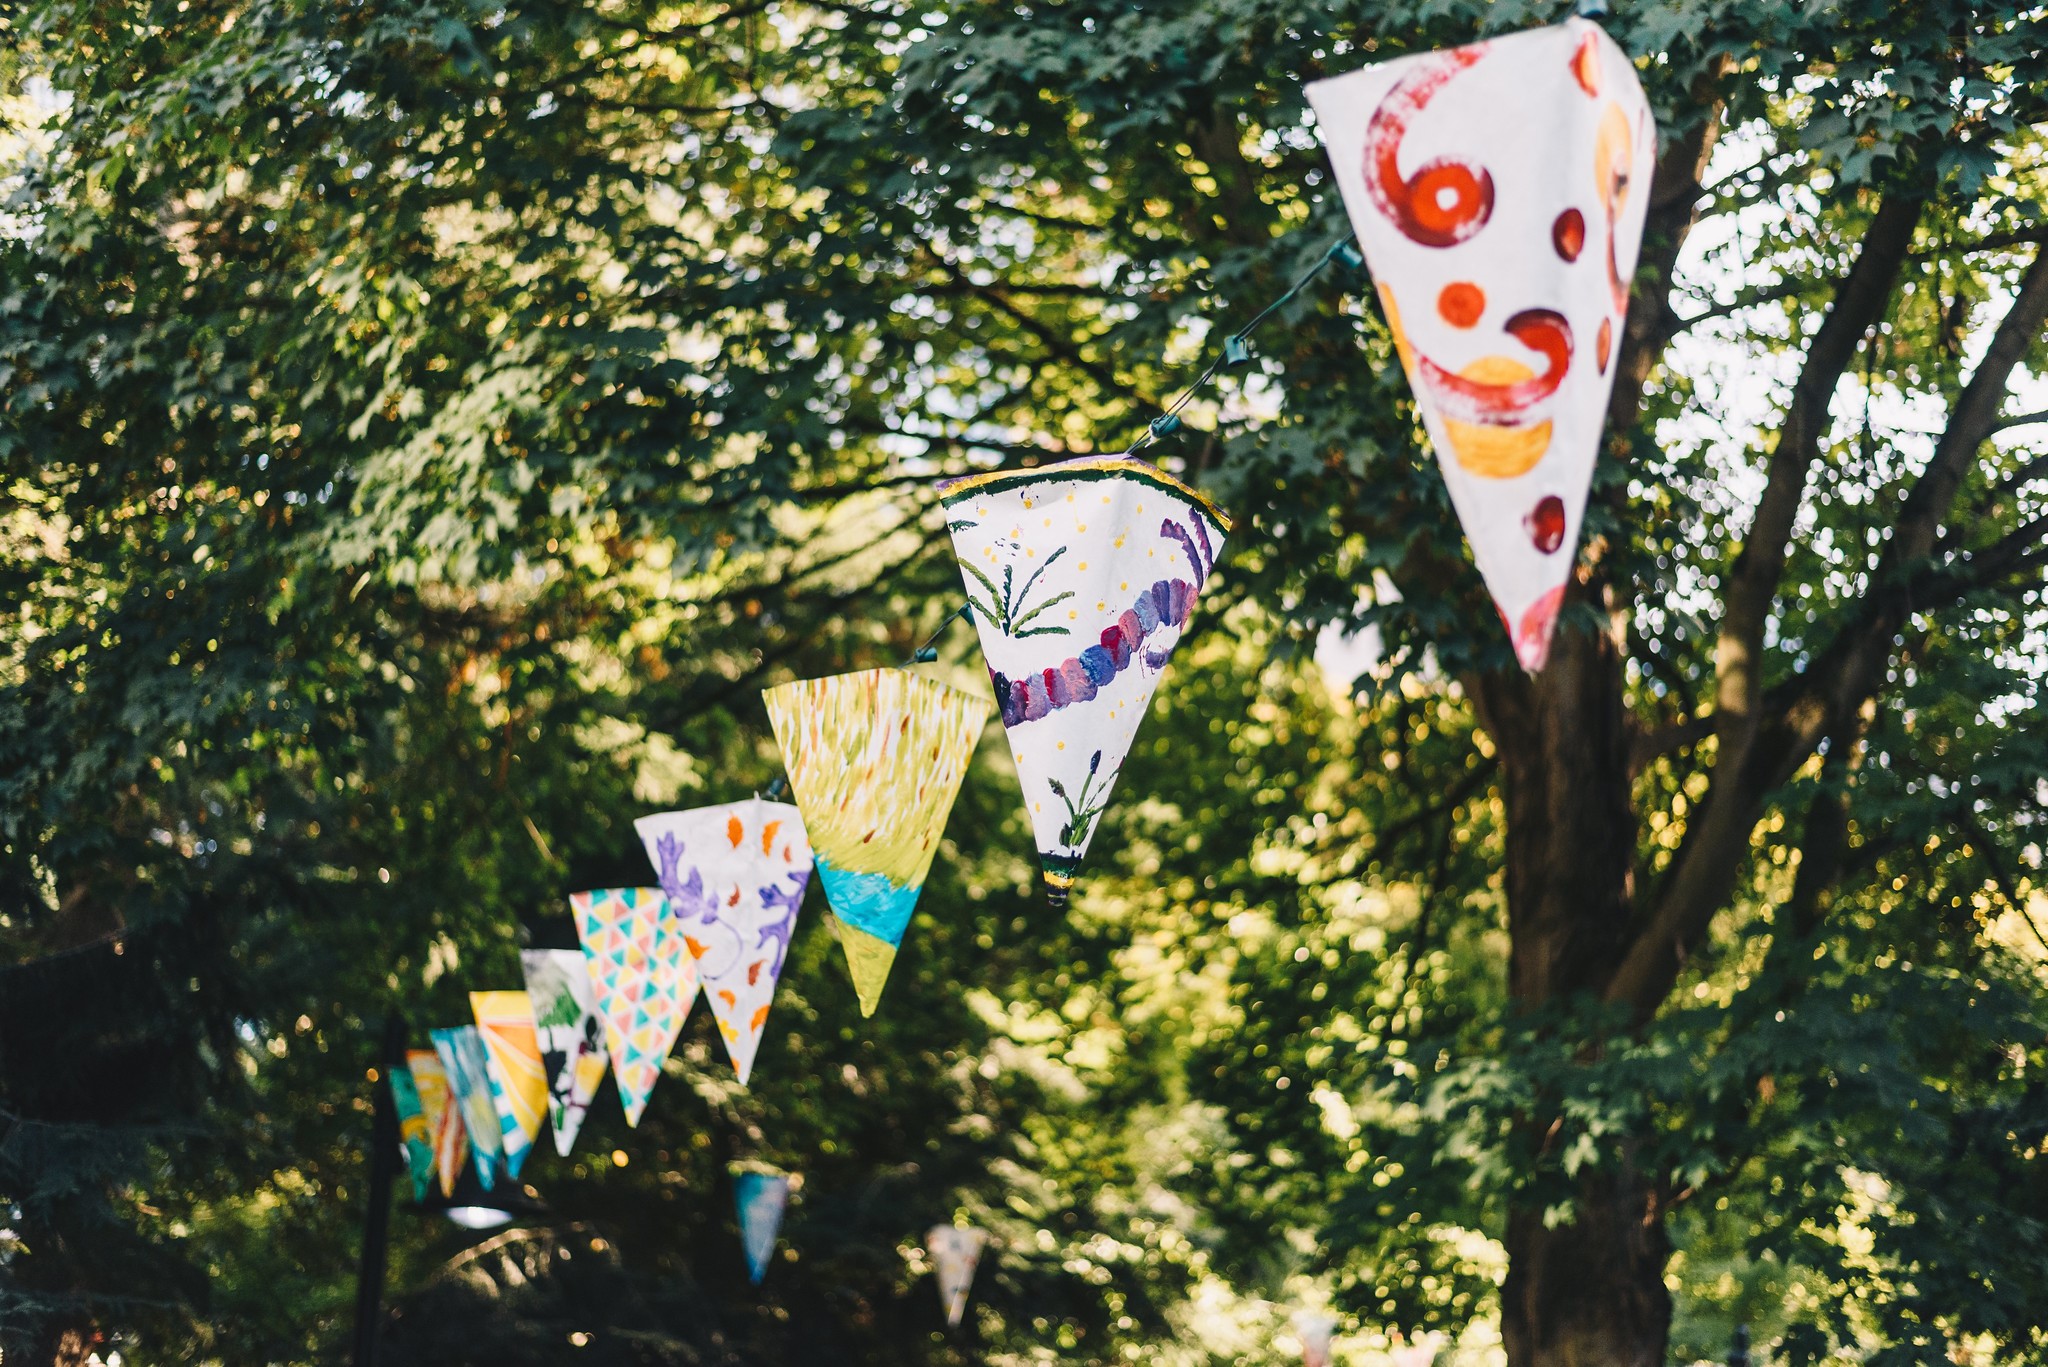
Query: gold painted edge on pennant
[(1088, 467), (987, 705)]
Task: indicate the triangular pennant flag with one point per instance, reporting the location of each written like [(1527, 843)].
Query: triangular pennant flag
[(1315, 1328), (443, 1115), (469, 1087), (1082, 576), (762, 1197), (1499, 192), (955, 1252), (1420, 1353), (571, 1035), (519, 1081), (876, 759), (644, 980), (412, 1130), (735, 876)]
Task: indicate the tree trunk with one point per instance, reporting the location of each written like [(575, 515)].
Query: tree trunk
[(1589, 1293)]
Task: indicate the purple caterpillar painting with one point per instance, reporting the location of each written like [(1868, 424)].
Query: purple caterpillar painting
[(1166, 603)]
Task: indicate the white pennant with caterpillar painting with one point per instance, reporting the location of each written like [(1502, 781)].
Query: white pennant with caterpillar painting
[(1081, 576)]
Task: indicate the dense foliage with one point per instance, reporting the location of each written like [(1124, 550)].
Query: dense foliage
[(424, 427)]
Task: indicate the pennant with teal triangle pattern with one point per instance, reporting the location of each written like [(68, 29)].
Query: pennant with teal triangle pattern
[(644, 980)]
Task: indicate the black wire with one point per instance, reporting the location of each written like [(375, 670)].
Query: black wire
[(1153, 432)]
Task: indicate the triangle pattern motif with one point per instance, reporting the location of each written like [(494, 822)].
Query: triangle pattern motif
[(734, 876), (1082, 577), (469, 1087), (1499, 191), (644, 979), (519, 1083), (442, 1114), (876, 759), (570, 1033)]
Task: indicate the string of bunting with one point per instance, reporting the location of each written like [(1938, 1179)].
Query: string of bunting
[(1497, 191)]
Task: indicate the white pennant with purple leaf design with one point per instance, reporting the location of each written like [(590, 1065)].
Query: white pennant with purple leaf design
[(734, 875)]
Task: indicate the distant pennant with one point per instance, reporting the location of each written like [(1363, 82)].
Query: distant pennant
[(1082, 577), (519, 1083), (734, 876), (443, 1116), (1499, 191), (469, 1087), (644, 978), (955, 1254), (413, 1131), (570, 1033), (762, 1198), (1315, 1329), (875, 759)]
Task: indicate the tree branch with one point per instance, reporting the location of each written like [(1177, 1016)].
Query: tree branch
[(1753, 581), (1756, 758)]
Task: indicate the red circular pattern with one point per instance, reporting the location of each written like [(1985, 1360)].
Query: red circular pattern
[(1545, 524), (1568, 234), (1461, 303)]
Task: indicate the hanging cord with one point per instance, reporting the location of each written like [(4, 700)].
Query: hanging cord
[(775, 789), (929, 652), (1237, 348), (1591, 9)]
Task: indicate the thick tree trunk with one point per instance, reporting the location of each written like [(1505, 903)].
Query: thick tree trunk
[(1589, 1293)]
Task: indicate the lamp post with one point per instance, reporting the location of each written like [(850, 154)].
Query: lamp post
[(384, 1144), (1738, 1356)]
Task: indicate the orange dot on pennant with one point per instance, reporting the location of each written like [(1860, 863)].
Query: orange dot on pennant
[(734, 831), (1568, 234), (1461, 303), (1603, 343)]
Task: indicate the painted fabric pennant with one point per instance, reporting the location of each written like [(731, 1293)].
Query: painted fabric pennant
[(734, 876), (1498, 192), (443, 1115), (1082, 576), (644, 980), (413, 1131), (1315, 1329), (571, 1036), (519, 1081), (956, 1253), (1420, 1353), (469, 1088), (762, 1198), (876, 759)]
